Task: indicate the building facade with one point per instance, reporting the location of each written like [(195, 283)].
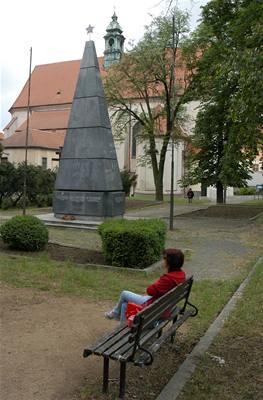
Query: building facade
[(52, 91)]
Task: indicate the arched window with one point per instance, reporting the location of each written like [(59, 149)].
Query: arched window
[(135, 131)]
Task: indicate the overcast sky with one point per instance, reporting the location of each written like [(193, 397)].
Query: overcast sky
[(56, 31)]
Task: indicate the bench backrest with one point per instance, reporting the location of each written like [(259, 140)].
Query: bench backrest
[(146, 318)]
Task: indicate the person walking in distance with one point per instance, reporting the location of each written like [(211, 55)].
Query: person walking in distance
[(190, 194)]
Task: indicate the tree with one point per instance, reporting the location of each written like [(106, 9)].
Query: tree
[(149, 86), (8, 179), (40, 183), (228, 82)]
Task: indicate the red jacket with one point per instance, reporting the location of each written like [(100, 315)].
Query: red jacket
[(165, 283)]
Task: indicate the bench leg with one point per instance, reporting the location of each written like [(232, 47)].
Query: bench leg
[(122, 379), (173, 335), (105, 374)]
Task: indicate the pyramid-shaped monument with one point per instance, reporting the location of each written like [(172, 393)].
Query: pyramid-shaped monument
[(88, 184)]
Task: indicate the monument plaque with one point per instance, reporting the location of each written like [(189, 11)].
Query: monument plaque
[(88, 184)]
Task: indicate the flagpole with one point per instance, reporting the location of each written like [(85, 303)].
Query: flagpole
[(27, 131)]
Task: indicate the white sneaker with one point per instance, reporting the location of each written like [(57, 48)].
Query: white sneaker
[(110, 315)]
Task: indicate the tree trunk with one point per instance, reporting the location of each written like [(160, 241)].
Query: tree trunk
[(159, 189), (219, 193), (203, 189)]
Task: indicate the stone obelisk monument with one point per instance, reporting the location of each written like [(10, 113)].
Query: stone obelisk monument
[(88, 184)]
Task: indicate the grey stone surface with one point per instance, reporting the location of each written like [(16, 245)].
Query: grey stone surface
[(89, 81), (84, 203), (97, 145), (96, 174), (90, 57), (88, 183), (87, 112)]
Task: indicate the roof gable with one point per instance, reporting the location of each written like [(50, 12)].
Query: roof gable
[(52, 84)]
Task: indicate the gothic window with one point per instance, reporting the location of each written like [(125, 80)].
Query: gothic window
[(111, 42), (135, 131)]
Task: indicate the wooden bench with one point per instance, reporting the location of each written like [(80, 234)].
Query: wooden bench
[(138, 343)]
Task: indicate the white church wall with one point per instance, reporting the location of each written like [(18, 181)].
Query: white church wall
[(191, 111), (145, 180), (20, 116), (211, 192), (120, 151)]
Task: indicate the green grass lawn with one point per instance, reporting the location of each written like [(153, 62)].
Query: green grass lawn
[(256, 202), (63, 278), (239, 347)]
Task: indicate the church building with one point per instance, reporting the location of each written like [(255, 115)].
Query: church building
[(52, 90)]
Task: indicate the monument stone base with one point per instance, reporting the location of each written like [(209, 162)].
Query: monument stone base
[(88, 205)]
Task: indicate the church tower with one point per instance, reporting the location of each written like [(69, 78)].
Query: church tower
[(114, 41)]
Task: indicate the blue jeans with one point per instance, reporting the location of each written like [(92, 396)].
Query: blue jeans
[(125, 296)]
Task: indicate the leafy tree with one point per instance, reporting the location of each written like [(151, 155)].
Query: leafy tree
[(228, 81), (8, 180), (40, 182), (152, 74)]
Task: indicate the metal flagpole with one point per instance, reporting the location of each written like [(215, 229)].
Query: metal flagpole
[(171, 225), (27, 130)]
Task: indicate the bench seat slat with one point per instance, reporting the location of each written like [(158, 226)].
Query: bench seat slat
[(117, 347), (120, 336), (118, 332)]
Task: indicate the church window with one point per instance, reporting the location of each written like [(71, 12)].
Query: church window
[(44, 162), (135, 131), (111, 42)]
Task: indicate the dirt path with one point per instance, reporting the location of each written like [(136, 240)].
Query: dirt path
[(42, 339)]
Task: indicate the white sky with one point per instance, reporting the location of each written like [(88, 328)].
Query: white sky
[(56, 31)]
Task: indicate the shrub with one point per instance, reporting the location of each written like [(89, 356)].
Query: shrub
[(24, 232), (133, 244), (245, 191), (6, 203)]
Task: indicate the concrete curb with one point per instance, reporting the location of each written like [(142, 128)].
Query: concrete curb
[(186, 370), (149, 270)]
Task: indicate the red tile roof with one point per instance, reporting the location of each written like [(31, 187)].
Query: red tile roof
[(47, 120), (36, 139), (52, 84)]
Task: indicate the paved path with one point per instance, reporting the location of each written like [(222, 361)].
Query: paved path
[(215, 247)]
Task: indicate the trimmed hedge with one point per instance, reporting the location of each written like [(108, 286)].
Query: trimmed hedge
[(133, 244), (24, 232)]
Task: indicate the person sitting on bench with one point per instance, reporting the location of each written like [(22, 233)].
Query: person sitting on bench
[(173, 260)]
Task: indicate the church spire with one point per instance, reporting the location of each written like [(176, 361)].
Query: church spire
[(114, 41)]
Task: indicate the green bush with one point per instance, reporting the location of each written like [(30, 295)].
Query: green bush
[(245, 191), (24, 232), (133, 244), (6, 203)]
